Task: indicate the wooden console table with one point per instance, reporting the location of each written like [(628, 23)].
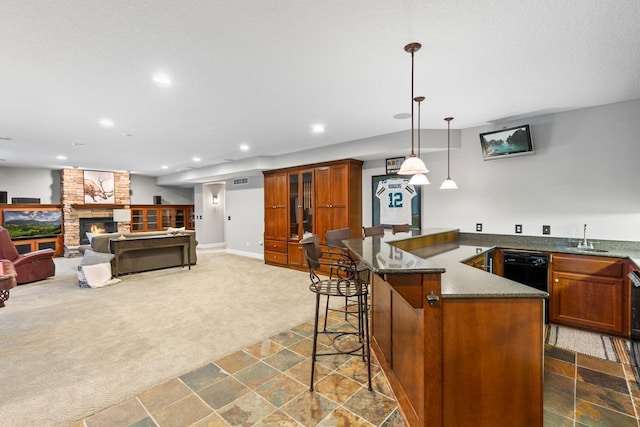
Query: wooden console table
[(120, 246)]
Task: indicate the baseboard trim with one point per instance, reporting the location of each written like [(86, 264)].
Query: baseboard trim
[(211, 245), (244, 253)]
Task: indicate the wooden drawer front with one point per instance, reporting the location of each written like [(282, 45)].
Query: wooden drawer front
[(275, 246), (593, 266), (275, 257)]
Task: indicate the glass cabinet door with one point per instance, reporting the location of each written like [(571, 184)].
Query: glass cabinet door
[(152, 219), (137, 220), (179, 218), (166, 218), (294, 207), (307, 208), (300, 205)]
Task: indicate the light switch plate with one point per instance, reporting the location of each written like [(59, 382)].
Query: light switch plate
[(518, 228)]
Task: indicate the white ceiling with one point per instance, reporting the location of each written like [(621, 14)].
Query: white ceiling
[(262, 72)]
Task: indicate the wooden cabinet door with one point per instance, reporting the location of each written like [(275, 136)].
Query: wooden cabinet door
[(332, 198), (588, 301), (275, 206), (590, 292)]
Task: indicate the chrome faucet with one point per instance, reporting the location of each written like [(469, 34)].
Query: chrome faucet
[(585, 244)]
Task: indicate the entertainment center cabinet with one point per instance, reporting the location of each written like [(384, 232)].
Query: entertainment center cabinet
[(33, 243), (309, 199)]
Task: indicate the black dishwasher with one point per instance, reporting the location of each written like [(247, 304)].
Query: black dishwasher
[(531, 269)]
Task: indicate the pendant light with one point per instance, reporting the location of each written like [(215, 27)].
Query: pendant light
[(413, 164), (419, 178), (448, 183)]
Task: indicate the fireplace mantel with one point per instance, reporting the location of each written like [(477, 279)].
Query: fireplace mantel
[(98, 206)]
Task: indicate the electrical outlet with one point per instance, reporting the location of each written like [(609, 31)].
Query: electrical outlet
[(546, 229), (479, 227), (518, 228)]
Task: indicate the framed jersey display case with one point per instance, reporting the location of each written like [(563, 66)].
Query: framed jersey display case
[(395, 201)]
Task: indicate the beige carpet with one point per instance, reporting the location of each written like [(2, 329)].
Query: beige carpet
[(67, 352)]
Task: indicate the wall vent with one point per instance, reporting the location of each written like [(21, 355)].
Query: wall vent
[(240, 181)]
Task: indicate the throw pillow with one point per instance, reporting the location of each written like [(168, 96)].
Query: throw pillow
[(91, 258), (172, 230)]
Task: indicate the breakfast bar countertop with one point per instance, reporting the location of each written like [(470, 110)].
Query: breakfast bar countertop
[(458, 279)]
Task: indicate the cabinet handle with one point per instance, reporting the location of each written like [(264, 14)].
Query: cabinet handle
[(557, 280)]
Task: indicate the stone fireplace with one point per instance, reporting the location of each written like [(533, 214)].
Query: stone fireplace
[(74, 207), (96, 225)]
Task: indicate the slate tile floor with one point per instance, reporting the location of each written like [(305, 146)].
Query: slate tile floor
[(266, 384), (581, 390)]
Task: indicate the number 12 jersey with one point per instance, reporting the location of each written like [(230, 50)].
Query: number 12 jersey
[(395, 196)]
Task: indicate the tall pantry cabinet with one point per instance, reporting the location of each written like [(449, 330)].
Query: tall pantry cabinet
[(309, 199)]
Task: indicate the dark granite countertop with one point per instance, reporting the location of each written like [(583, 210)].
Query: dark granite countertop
[(605, 248), (463, 281), (458, 279)]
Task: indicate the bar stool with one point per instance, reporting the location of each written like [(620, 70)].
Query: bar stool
[(343, 283), (334, 239), (376, 230)]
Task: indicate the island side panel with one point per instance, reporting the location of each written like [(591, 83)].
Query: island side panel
[(407, 340), (493, 362)]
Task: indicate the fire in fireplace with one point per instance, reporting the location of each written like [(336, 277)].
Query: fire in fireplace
[(96, 225)]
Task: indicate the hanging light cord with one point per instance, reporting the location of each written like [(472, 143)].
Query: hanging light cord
[(419, 99), (448, 149), (412, 128)]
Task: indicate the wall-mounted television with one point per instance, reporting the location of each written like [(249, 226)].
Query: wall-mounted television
[(32, 223), (514, 141)]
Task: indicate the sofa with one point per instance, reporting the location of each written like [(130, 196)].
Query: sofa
[(147, 259)]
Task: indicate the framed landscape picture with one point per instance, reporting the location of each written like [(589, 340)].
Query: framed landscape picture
[(99, 187), (395, 201)]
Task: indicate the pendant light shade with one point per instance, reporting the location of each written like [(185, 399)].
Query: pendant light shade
[(419, 179), (448, 183), (412, 165)]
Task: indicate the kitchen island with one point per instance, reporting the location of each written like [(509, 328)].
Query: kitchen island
[(459, 346)]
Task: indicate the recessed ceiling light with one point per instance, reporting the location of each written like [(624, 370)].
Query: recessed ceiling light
[(165, 167), (244, 147), (61, 157), (161, 79), (196, 159), (126, 134), (317, 128), (106, 123), (78, 144)]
